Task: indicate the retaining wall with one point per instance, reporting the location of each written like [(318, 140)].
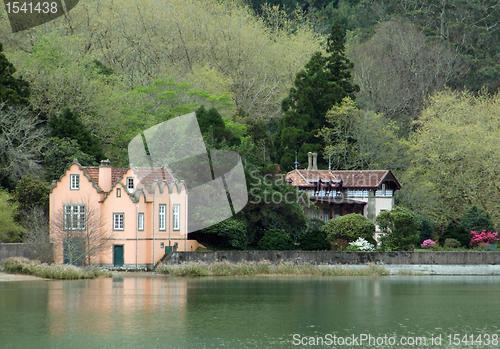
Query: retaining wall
[(332, 257), (12, 250)]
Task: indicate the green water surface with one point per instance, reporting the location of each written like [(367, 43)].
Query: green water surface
[(250, 312)]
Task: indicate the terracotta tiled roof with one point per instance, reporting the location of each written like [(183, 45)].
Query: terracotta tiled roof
[(361, 179), (117, 173), (350, 179), (149, 175), (93, 172)]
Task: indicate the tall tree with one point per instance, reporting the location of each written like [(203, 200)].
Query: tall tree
[(325, 81), (13, 91), (452, 163), (68, 125)]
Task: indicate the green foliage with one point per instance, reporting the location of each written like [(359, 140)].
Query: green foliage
[(447, 150), (456, 231), (10, 231), (477, 219), (31, 192), (67, 125), (452, 243), (231, 232), (401, 228), (60, 154), (276, 239), (273, 204), (351, 144), (13, 91), (325, 81), (345, 229), (214, 130), (426, 230), (314, 238)]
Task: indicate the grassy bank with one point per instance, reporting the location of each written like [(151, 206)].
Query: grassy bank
[(20, 265), (264, 268)]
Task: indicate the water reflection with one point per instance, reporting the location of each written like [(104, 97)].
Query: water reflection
[(254, 312)]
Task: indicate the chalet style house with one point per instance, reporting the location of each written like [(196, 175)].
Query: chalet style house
[(118, 217), (337, 193)]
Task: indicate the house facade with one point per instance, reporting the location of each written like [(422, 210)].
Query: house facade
[(337, 193), (118, 217)]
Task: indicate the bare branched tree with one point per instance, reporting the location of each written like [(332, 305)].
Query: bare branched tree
[(82, 231), (36, 238), (22, 139)]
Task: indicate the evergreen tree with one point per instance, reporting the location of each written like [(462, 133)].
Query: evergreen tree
[(13, 91), (324, 82), (68, 125)]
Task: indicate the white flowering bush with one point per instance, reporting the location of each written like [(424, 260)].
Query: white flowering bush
[(360, 245)]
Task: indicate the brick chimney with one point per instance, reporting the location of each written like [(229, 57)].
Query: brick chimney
[(105, 175)]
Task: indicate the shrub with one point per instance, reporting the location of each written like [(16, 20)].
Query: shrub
[(400, 226), (231, 232), (314, 238), (426, 229), (428, 243), (276, 239), (20, 265), (343, 230), (477, 219), (361, 245), (457, 232), (484, 237), (452, 243)]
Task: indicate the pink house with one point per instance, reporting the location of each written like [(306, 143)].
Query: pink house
[(118, 217)]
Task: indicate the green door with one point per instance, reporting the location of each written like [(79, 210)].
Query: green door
[(118, 255)]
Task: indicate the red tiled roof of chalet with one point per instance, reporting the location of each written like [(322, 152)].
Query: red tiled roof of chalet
[(362, 179), (302, 178)]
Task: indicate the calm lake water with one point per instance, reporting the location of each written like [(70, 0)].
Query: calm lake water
[(250, 312)]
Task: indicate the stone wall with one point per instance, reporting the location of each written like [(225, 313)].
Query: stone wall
[(332, 257), (12, 250)]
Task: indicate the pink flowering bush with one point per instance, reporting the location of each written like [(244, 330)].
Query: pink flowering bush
[(428, 243), (484, 237)]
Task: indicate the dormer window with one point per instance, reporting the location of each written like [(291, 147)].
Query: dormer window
[(130, 183), (74, 180)]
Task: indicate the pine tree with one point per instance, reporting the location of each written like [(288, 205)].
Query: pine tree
[(13, 91), (324, 82)]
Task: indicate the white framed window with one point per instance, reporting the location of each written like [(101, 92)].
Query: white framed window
[(140, 221), (118, 221), (162, 219), (176, 217), (74, 217), (130, 183), (326, 215), (357, 193), (74, 180)]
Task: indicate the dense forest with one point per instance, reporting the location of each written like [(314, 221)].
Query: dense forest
[(410, 84)]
